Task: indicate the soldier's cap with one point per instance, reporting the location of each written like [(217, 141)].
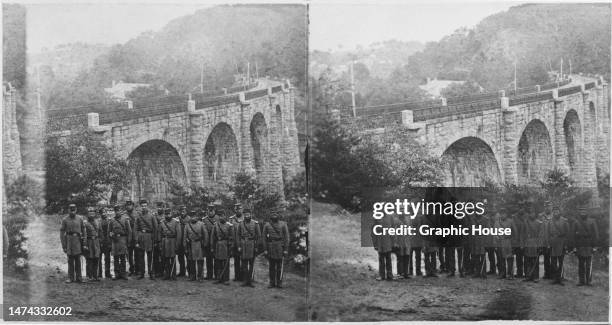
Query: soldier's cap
[(143, 201), (91, 209), (116, 207), (237, 205), (182, 207), (167, 210), (72, 205), (211, 205), (129, 202), (193, 212), (159, 204), (101, 209), (582, 209), (246, 211)]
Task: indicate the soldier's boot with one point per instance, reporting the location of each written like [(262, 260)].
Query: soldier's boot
[(200, 271), (191, 269)]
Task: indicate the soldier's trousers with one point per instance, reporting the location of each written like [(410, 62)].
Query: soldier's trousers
[(275, 270), (491, 254), (222, 269), (430, 263), (402, 262), (170, 266), (442, 258), (480, 265), (105, 256), (181, 259), (532, 267), (91, 267), (584, 269), (158, 267), (557, 267), (237, 268), (210, 268), (195, 269), (119, 261), (385, 268), (450, 258), (416, 252), (501, 261), (468, 262), (247, 269), (74, 267), (140, 256), (506, 266), (547, 263), (131, 260), (520, 261)]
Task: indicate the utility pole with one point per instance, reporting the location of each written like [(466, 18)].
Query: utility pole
[(248, 72), (515, 77), (256, 71), (561, 73), (353, 90), (202, 78), (570, 67)]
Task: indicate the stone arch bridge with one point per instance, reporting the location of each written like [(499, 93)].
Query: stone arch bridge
[(199, 140), (511, 136)]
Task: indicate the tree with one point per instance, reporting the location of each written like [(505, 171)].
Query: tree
[(82, 170), (458, 89)]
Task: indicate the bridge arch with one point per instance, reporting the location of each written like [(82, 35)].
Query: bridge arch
[(572, 131), (153, 166), (221, 156), (535, 153), (259, 142), (470, 163)]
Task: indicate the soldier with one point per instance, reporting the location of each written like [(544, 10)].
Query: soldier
[(276, 245), (504, 250), (131, 217), (489, 242), (72, 237), (158, 269), (467, 246), (533, 242), (222, 241), (235, 220), (170, 234), (478, 249), (181, 254), (120, 232), (145, 229), (558, 232), (92, 253), (195, 242), (209, 222), (585, 234), (402, 251), (248, 237), (106, 244), (384, 245), (546, 218)]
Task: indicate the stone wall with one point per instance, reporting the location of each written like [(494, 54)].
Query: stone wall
[(11, 159)]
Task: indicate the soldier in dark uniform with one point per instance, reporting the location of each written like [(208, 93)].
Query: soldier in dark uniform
[(384, 245), (131, 245), (533, 242), (181, 255), (170, 234), (120, 233), (276, 245), (546, 218), (558, 233), (248, 237), (158, 269), (402, 249), (195, 242), (431, 248), (72, 236), (585, 234), (92, 253), (478, 249), (235, 220), (209, 222), (505, 259), (145, 229), (222, 242), (415, 250), (518, 241), (105, 243)]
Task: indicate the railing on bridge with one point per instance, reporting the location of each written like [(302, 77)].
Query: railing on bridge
[(530, 98), (569, 91)]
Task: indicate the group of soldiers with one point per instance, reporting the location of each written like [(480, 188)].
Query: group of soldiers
[(205, 239), (547, 234)]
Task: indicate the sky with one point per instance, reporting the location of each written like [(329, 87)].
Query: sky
[(49, 25), (345, 25)]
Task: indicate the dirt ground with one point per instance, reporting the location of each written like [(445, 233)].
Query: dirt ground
[(343, 285), (145, 300)]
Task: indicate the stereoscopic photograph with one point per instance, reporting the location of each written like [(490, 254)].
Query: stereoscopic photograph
[(459, 157), (154, 162)]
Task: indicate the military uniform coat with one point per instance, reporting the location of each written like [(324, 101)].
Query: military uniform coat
[(195, 240), (534, 237), (222, 240), (479, 242), (72, 235), (585, 234), (209, 224), (402, 242), (558, 232), (382, 243), (505, 242), (145, 231), (92, 231), (170, 235), (131, 218), (106, 243), (276, 239), (248, 236), (121, 235)]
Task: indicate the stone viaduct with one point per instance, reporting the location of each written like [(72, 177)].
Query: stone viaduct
[(200, 140), (512, 136)]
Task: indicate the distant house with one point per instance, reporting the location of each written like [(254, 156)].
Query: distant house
[(120, 89), (434, 86)]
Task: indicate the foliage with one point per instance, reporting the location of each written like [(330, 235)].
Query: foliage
[(194, 197), (461, 89), (603, 186), (14, 45), (82, 170)]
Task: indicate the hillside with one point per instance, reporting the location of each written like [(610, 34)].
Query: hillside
[(536, 37), (67, 60)]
